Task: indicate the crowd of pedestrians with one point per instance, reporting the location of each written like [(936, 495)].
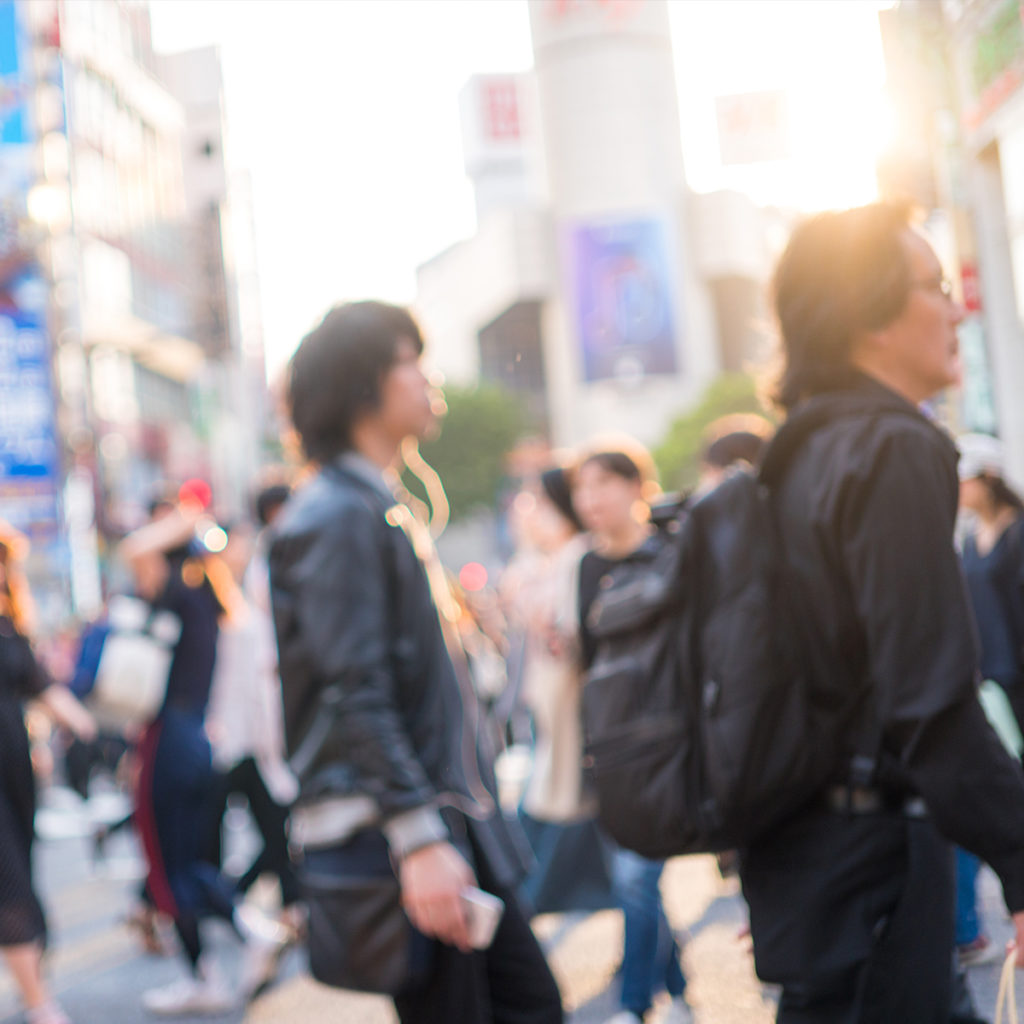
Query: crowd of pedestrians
[(325, 672)]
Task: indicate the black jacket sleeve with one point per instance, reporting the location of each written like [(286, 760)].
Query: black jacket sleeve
[(897, 525)]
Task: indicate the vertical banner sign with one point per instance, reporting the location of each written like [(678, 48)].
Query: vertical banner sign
[(978, 404), (753, 127), (28, 446), (499, 98), (622, 284)]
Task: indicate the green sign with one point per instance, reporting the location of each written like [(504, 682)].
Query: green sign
[(999, 46)]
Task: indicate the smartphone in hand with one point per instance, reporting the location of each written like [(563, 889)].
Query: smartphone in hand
[(483, 912)]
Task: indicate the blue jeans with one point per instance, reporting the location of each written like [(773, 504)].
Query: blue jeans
[(650, 956), (968, 928)]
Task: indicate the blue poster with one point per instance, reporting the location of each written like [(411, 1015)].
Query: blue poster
[(623, 293), (28, 440), (13, 112)]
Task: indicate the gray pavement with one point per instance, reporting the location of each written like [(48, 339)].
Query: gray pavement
[(100, 972)]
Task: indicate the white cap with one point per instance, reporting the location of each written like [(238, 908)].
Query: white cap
[(980, 453)]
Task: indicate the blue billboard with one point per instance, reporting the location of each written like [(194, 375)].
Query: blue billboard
[(623, 286), (28, 439)]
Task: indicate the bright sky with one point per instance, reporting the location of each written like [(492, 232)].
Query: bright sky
[(346, 114)]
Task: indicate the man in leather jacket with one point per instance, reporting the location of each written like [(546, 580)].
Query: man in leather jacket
[(851, 900), (380, 717)]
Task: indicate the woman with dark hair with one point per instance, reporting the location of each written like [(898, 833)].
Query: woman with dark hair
[(993, 558), (22, 924), (557, 815), (612, 496)]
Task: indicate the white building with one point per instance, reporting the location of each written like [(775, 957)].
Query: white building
[(221, 279), (598, 286), (118, 217), (987, 37)]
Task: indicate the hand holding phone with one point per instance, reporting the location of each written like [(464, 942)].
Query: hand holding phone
[(483, 912)]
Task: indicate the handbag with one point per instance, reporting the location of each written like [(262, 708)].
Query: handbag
[(358, 934), (131, 677)]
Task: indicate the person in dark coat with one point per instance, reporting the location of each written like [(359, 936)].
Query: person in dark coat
[(993, 560), (851, 900), (612, 492), (22, 678), (397, 772)]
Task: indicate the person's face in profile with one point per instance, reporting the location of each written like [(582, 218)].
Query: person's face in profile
[(405, 408), (922, 342)]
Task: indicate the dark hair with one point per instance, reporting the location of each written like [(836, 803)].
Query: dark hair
[(737, 437), (269, 500), (336, 372), (1000, 493), (841, 273), (163, 499), (739, 446), (556, 485), (618, 463)]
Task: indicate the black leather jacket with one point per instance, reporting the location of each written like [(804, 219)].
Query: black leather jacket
[(868, 505), (374, 710)]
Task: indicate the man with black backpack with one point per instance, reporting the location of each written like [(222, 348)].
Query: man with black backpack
[(851, 897)]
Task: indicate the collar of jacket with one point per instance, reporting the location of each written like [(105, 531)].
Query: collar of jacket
[(359, 467), (861, 396)]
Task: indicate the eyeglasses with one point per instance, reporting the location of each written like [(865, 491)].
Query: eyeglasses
[(942, 285)]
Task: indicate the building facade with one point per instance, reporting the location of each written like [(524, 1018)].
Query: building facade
[(598, 287), (120, 333), (987, 43), (956, 85)]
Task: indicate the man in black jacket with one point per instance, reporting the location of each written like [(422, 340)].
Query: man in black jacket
[(852, 901), (380, 717)]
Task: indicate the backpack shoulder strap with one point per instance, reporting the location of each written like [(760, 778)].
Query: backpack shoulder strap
[(817, 412), (798, 428)]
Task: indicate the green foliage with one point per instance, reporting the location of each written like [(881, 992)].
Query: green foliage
[(678, 455), (481, 427)]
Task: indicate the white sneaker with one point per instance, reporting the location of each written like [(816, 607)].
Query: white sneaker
[(679, 1012), (260, 964), (625, 1017), (49, 1013), (265, 942), (199, 995)]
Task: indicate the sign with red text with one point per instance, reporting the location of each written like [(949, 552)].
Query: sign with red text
[(753, 127)]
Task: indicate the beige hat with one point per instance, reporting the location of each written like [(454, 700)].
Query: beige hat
[(980, 453)]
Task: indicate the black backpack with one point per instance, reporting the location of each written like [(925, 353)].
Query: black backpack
[(701, 727)]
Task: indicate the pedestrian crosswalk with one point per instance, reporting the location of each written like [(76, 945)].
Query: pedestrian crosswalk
[(100, 971)]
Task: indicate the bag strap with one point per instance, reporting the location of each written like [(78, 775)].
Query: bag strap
[(818, 411), (782, 449), (1007, 994)]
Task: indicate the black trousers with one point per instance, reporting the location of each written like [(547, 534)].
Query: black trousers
[(270, 818), (509, 983), (853, 916)]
